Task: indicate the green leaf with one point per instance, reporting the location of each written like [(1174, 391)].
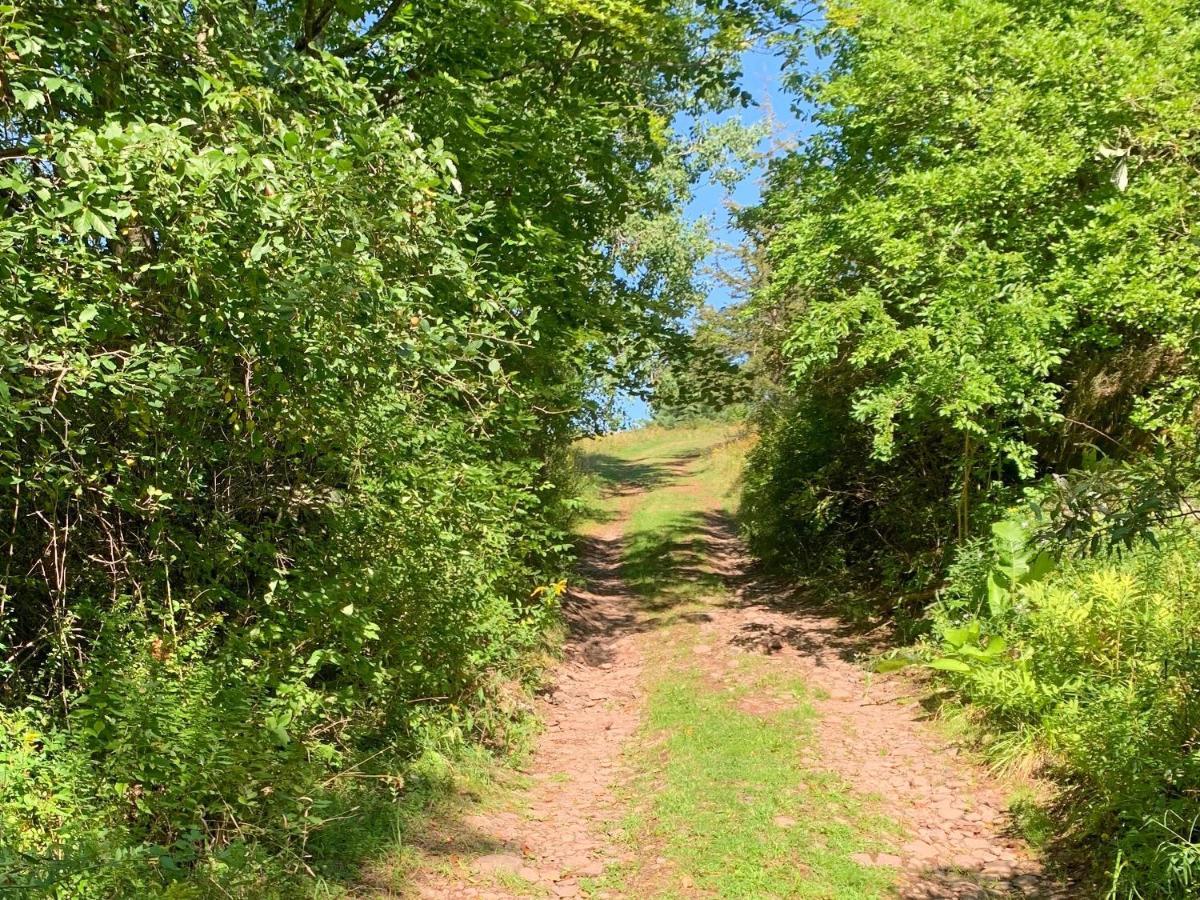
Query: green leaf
[(260, 247), (999, 594), (959, 637), (996, 646), (28, 98), (1042, 565), (947, 664)]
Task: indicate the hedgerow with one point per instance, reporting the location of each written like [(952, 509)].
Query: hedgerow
[(300, 304), (975, 261)]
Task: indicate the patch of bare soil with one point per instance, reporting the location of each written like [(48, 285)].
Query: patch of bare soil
[(591, 709)]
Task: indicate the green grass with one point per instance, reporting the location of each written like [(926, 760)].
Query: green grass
[(733, 806)]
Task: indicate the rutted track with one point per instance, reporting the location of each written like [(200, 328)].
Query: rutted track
[(560, 835)]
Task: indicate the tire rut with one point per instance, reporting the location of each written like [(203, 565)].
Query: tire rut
[(591, 709)]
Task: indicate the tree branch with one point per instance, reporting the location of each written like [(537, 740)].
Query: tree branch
[(385, 19), (315, 20)]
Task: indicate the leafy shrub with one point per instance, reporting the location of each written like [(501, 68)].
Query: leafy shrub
[(1094, 665), (299, 305), (815, 500), (704, 376), (966, 272)]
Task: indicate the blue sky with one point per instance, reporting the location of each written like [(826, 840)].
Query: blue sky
[(762, 78)]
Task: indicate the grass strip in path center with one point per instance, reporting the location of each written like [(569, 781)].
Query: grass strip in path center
[(731, 804)]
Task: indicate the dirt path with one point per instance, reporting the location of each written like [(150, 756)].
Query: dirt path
[(562, 834), (958, 840)]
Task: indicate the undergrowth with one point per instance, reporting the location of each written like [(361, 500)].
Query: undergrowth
[(1088, 669)]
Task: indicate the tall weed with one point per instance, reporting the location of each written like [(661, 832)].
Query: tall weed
[(1099, 674)]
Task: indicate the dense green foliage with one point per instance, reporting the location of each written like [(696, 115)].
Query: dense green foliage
[(704, 376), (1093, 666), (981, 262), (977, 289), (299, 302)]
